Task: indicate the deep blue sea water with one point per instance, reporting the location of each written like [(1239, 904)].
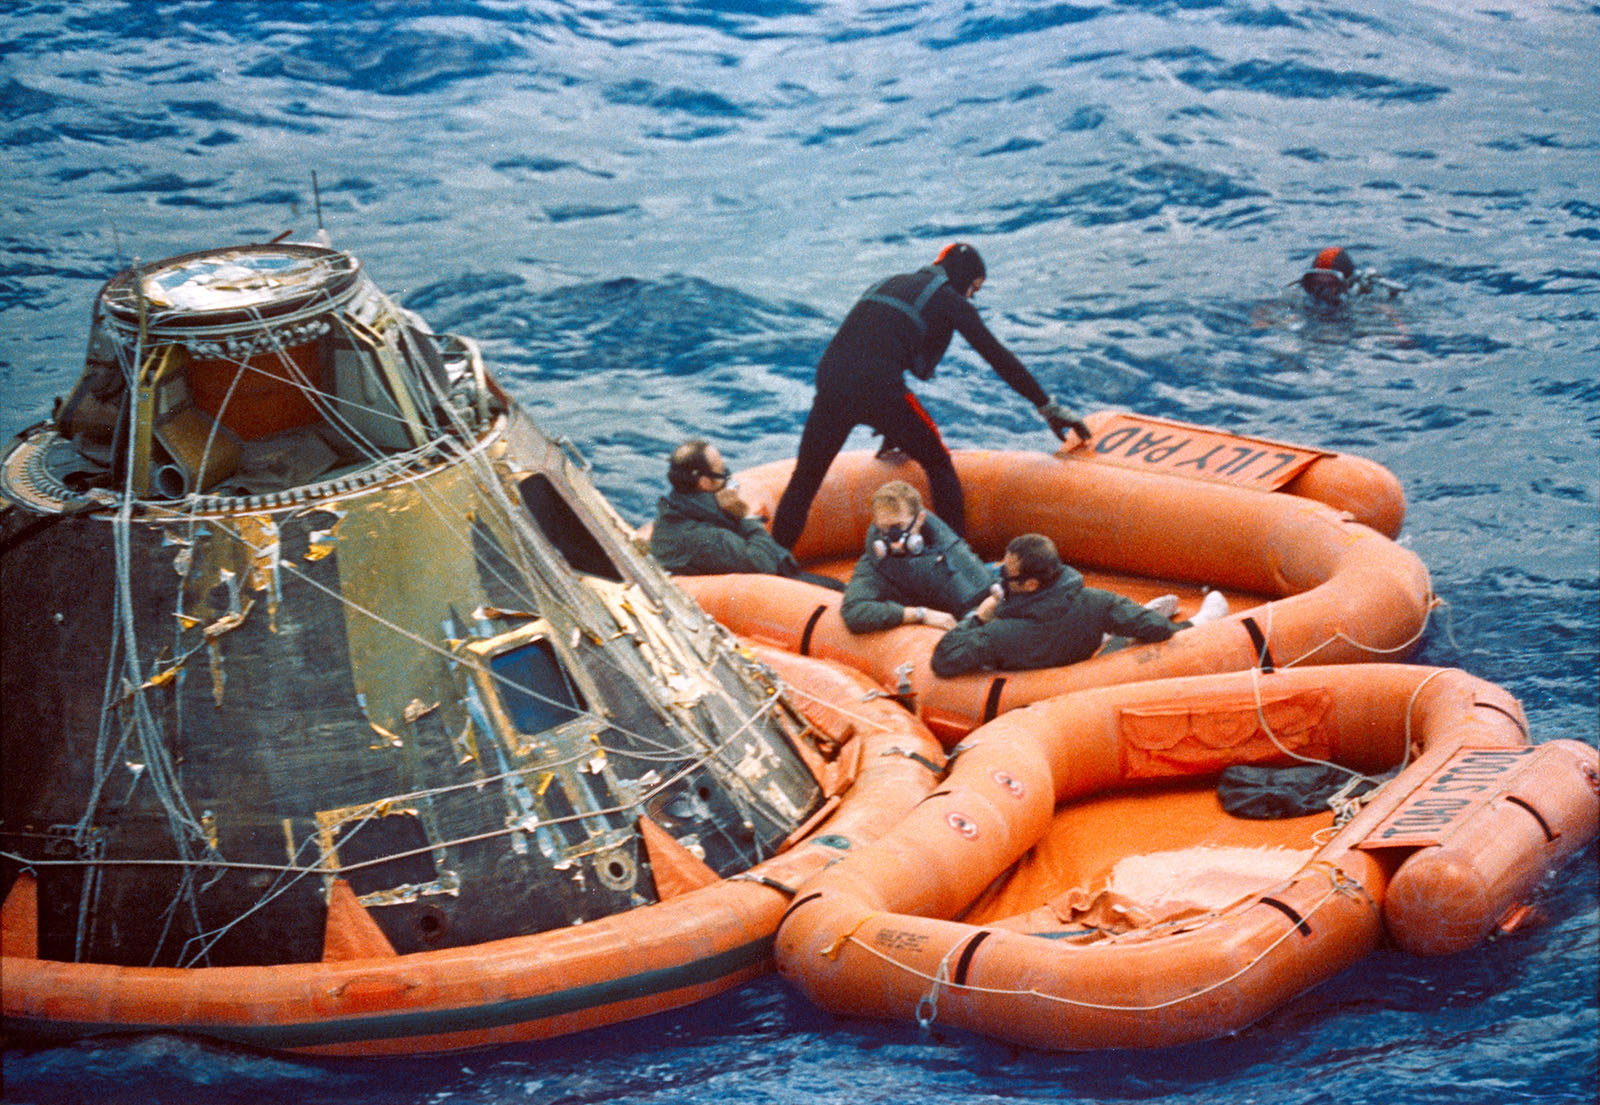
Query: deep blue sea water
[(653, 214)]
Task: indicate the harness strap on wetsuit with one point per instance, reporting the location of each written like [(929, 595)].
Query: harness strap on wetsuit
[(913, 309)]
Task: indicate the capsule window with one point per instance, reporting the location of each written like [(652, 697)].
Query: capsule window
[(534, 688), (565, 530)]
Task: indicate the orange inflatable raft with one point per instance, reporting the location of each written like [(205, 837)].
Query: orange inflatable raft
[(1106, 900), (704, 936), (1304, 554)]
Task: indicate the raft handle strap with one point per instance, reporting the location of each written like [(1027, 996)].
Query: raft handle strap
[(913, 309), (1263, 653), (1549, 833), (1522, 726), (745, 876), (811, 625), (796, 904), (965, 961), (928, 1006), (1288, 911), (991, 704), (918, 757)]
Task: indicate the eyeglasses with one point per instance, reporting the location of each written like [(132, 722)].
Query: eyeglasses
[(1011, 582), (721, 477)]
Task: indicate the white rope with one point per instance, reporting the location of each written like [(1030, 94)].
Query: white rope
[(1261, 719), (928, 1006), (642, 800), (1340, 635), (196, 853), (861, 721), (489, 482), (208, 940), (420, 641), (1341, 886), (183, 826)]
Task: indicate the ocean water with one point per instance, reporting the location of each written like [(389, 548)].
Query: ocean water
[(653, 214)]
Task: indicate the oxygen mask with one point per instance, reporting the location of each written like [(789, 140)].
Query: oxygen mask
[(899, 540)]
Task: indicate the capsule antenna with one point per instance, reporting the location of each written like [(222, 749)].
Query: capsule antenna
[(116, 243), (316, 197)]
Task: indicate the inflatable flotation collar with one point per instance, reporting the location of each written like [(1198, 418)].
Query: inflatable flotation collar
[(1067, 941)]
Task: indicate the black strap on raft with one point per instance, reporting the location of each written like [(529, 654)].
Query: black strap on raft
[(1259, 639), (960, 977), (1549, 834), (811, 625), (991, 704), (1288, 911), (796, 904), (1522, 726), (937, 769), (764, 881)]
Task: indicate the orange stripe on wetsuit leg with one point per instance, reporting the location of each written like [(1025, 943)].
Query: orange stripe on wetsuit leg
[(927, 419)]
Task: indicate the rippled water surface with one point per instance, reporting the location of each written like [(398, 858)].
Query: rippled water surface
[(654, 213)]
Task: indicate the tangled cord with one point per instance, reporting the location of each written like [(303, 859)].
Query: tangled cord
[(1339, 635), (1341, 885), (130, 734)]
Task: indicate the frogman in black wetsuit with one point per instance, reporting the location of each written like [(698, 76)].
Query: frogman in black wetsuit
[(900, 325), (1333, 275)]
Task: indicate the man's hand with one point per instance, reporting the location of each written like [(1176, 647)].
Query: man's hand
[(985, 611), (1061, 420), (732, 505)]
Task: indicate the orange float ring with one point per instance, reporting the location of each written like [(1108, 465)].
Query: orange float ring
[(364, 1000), (1440, 854), (1307, 582)]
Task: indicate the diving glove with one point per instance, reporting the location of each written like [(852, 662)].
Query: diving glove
[(1061, 420), (1368, 279)]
